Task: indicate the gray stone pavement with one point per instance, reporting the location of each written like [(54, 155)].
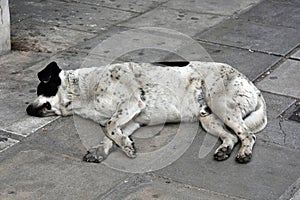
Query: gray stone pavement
[(40, 158)]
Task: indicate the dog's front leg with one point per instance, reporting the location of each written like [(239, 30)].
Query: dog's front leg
[(126, 112), (100, 152)]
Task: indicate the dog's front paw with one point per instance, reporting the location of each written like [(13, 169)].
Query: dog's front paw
[(244, 158), (130, 152), (92, 157), (222, 153)]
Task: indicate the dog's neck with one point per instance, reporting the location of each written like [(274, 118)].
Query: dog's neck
[(71, 82), (77, 82)]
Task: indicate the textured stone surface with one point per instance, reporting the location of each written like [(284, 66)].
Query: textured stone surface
[(6, 142), (129, 5), (279, 130), (147, 187), (34, 174), (267, 176), (32, 36), (214, 7), (254, 36), (284, 80), (252, 64), (296, 55), (75, 16), (277, 13), (185, 22)]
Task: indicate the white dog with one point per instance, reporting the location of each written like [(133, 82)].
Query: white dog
[(122, 97)]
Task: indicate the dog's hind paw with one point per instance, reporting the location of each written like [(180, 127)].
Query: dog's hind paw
[(92, 157)]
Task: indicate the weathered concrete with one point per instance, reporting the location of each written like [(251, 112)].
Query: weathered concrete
[(280, 130), (249, 35), (252, 65), (213, 7), (296, 55), (30, 35), (186, 22), (35, 174), (74, 16), (150, 187), (4, 27), (276, 13), (265, 27), (284, 80), (139, 6), (271, 171)]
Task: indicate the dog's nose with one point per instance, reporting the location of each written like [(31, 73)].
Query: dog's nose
[(29, 109), (33, 111)]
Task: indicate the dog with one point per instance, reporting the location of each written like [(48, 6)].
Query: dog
[(123, 97)]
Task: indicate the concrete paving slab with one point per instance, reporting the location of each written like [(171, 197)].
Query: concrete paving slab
[(75, 16), (284, 80), (277, 104), (272, 170), (35, 174), (214, 7), (261, 37), (131, 43), (278, 13), (280, 130), (63, 137), (188, 23), (283, 132), (16, 61), (252, 64), (6, 142), (129, 5), (149, 187), (30, 35), (69, 59), (296, 55)]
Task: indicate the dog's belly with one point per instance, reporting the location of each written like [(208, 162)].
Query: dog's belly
[(169, 105)]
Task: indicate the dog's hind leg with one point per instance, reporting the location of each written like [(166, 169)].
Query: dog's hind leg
[(213, 125), (232, 117), (125, 113)]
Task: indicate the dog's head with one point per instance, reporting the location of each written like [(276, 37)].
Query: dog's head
[(47, 102)]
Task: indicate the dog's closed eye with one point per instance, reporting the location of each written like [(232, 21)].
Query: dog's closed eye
[(47, 106)]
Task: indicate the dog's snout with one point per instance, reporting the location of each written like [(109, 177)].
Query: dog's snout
[(34, 110)]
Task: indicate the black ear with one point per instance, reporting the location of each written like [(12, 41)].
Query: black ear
[(50, 70)]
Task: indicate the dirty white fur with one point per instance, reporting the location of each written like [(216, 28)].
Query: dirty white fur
[(122, 97)]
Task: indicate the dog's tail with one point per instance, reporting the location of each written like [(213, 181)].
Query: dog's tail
[(257, 120)]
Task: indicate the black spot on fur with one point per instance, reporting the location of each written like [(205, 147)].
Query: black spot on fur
[(207, 110), (172, 63), (142, 94), (50, 80)]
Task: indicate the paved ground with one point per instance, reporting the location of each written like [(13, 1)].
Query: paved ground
[(41, 158)]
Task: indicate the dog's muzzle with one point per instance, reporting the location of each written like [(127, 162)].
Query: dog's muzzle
[(34, 110)]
